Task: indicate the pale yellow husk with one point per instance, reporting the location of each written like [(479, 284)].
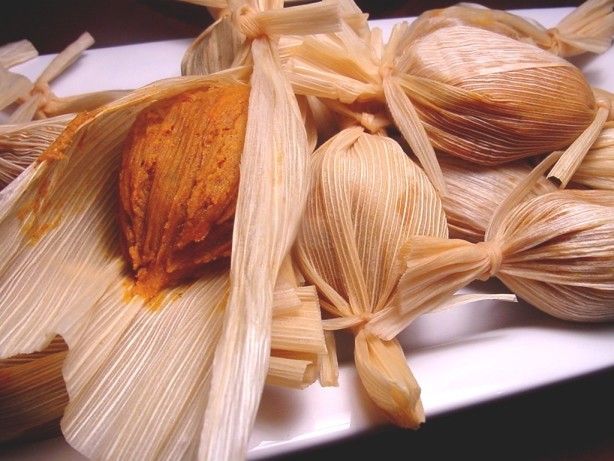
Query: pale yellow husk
[(20, 145), (367, 197), (475, 192), (597, 168), (272, 194), (38, 101), (589, 28), (17, 52), (491, 99), (553, 250)]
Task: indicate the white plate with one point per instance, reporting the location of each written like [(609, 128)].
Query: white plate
[(462, 356)]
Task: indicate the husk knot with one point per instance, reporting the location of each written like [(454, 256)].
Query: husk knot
[(246, 20), (492, 252)]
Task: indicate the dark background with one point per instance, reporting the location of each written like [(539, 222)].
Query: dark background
[(571, 421), (53, 24)]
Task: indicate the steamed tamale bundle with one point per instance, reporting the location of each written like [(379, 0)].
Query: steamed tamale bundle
[(367, 198), (589, 28), (553, 250), (491, 99), (59, 220)]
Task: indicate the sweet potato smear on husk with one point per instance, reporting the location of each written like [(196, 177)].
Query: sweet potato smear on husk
[(178, 184)]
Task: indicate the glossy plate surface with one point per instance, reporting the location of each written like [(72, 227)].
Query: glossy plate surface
[(463, 356)]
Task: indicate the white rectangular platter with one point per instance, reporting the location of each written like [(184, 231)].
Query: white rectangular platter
[(463, 356)]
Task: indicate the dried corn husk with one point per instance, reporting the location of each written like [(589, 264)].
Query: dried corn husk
[(127, 363), (272, 194), (351, 67), (597, 168), (553, 250), (21, 144), (32, 394), (17, 52), (367, 197), (226, 42), (38, 101), (12, 87), (587, 28), (58, 222), (491, 99), (475, 192)]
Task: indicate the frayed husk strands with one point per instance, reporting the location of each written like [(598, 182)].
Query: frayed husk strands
[(475, 192), (367, 198), (226, 43), (589, 28), (490, 99)]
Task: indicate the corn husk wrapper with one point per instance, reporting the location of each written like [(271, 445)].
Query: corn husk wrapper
[(475, 192), (367, 197), (357, 67), (20, 145), (38, 101), (14, 85), (17, 52), (589, 28), (226, 42), (32, 394), (597, 168), (490, 99), (553, 250), (272, 193), (127, 363)]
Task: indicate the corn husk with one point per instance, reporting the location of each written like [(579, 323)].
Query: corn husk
[(38, 101), (58, 222), (367, 197), (553, 250), (226, 42), (32, 394), (272, 194), (597, 168), (12, 87), (589, 28), (352, 67), (475, 192), (490, 99), (14, 53), (20, 145)]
